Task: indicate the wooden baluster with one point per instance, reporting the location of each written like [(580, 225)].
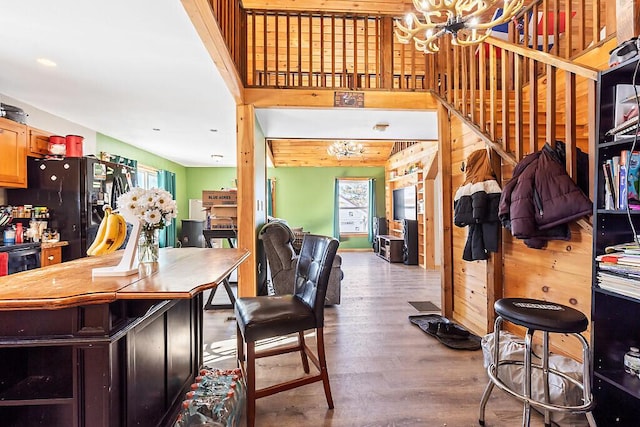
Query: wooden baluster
[(570, 124), (551, 105), (519, 110), (533, 106)]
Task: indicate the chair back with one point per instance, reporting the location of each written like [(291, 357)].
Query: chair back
[(312, 272), (277, 238)]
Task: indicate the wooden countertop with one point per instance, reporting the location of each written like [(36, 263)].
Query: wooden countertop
[(47, 245), (180, 273)]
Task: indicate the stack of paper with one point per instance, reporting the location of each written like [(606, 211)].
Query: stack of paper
[(618, 269)]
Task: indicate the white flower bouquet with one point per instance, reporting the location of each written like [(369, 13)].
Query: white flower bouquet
[(155, 208)]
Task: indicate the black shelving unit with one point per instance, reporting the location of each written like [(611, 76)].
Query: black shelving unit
[(615, 320)]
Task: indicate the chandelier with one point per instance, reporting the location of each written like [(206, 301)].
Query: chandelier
[(342, 149), (460, 18)]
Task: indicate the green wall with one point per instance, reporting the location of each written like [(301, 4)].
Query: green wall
[(209, 179), (114, 146), (304, 195)]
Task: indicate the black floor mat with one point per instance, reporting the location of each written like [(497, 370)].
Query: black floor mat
[(424, 306), (429, 322)]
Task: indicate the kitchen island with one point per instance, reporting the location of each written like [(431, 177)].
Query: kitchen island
[(105, 351)]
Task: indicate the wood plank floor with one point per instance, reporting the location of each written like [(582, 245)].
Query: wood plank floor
[(384, 371)]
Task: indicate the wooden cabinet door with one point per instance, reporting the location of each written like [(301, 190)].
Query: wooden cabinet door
[(50, 256), (38, 142), (13, 161)]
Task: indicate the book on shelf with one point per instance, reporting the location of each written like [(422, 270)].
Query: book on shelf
[(622, 187), (622, 181), (610, 191)]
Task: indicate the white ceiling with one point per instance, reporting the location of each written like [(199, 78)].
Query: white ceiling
[(127, 67)]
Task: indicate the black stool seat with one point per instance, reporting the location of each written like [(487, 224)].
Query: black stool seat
[(541, 315), (268, 316)]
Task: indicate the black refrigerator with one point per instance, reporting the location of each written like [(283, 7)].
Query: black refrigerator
[(75, 190)]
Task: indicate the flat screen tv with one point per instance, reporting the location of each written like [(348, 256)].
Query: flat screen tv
[(404, 203)]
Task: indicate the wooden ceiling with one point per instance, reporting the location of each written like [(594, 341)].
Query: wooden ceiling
[(313, 152)]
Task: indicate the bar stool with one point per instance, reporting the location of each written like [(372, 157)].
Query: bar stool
[(548, 317)]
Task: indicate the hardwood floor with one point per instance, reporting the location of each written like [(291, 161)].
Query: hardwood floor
[(384, 371)]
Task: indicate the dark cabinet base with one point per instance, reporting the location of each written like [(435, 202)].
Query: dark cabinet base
[(390, 248), (129, 372)]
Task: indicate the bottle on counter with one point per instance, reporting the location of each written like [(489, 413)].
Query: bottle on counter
[(19, 233)]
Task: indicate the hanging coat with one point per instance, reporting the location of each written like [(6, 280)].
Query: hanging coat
[(541, 199), (475, 205)]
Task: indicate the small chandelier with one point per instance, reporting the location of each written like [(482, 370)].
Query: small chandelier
[(342, 149), (460, 18)]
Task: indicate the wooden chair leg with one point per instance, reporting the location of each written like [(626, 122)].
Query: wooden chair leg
[(239, 347), (303, 353), (251, 384), (323, 366)]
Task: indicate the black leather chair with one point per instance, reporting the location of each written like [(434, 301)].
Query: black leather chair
[(278, 315), (278, 239)]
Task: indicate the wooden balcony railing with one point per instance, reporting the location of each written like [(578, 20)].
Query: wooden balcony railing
[(325, 50), (231, 19)]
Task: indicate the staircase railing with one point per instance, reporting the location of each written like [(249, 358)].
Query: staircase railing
[(564, 28)]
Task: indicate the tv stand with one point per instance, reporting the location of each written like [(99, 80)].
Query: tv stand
[(390, 247)]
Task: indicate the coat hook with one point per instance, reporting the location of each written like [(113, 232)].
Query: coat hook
[(462, 167)]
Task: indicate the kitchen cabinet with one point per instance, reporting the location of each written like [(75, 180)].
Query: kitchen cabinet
[(615, 324), (13, 161), (38, 142), (50, 256)]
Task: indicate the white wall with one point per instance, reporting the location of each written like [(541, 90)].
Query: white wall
[(57, 125)]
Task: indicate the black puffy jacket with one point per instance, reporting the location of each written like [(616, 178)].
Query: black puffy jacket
[(475, 205)]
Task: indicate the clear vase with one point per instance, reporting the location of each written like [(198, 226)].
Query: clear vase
[(148, 246)]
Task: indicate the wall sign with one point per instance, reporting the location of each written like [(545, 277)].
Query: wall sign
[(348, 99)]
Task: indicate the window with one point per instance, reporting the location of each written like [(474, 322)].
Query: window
[(147, 177), (353, 196)]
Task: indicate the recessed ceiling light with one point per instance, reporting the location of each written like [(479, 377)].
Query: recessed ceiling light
[(156, 129), (46, 62), (217, 157), (213, 130)]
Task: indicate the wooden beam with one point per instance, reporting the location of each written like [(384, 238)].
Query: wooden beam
[(314, 98), (495, 284), (446, 201), (247, 235), (361, 7), (207, 27)]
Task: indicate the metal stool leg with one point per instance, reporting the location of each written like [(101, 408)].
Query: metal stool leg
[(496, 352), (545, 377), (526, 413)]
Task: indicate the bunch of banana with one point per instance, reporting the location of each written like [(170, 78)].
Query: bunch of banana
[(111, 233)]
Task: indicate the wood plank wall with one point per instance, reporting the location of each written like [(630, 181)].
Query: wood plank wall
[(557, 273)]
